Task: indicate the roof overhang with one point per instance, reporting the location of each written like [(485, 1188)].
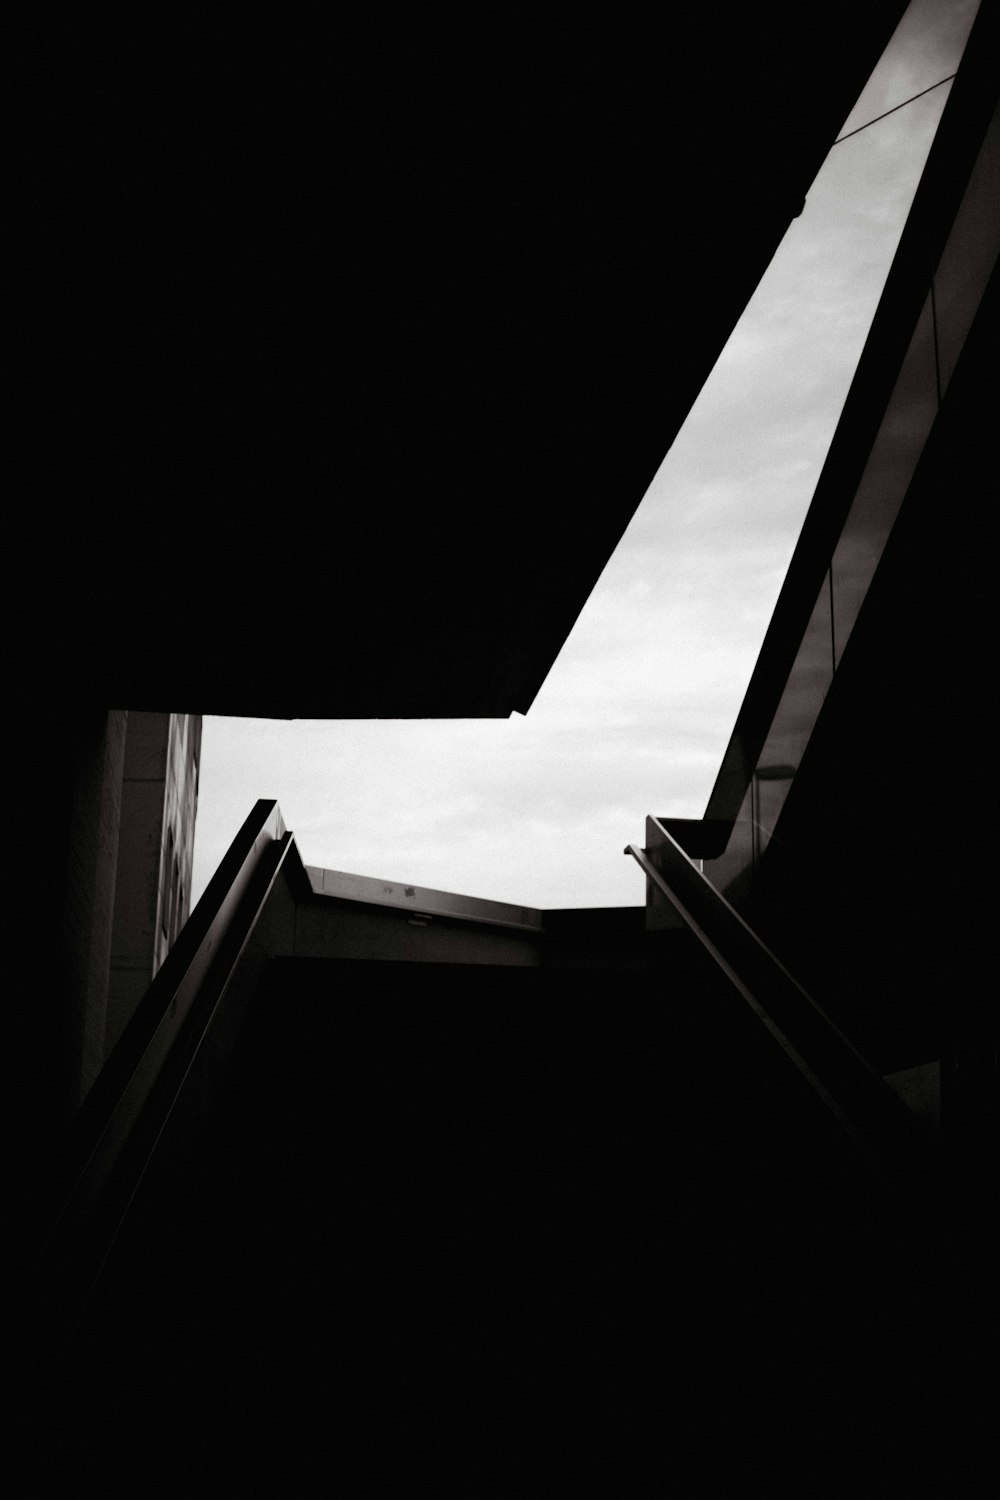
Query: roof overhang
[(384, 341)]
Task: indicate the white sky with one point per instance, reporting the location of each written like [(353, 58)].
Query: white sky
[(638, 708)]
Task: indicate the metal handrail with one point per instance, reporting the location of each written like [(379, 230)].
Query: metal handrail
[(117, 1129), (854, 1094)]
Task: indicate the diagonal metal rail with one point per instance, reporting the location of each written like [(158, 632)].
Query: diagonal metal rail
[(862, 1103), (117, 1130)]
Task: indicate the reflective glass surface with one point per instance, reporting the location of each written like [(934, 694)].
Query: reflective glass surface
[(969, 255), (947, 313)]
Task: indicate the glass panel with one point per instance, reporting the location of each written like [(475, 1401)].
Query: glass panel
[(968, 258), (801, 701), (771, 785), (732, 871), (959, 284), (894, 457)]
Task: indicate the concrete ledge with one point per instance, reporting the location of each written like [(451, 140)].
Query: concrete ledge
[(420, 900)]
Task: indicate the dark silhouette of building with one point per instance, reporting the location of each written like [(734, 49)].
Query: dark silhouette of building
[(448, 1190)]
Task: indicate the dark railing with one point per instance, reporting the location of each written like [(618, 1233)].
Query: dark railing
[(117, 1128), (863, 1105)]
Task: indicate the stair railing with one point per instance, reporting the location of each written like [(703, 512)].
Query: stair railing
[(864, 1107), (115, 1134)]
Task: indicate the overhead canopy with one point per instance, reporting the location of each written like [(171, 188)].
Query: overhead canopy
[(383, 334)]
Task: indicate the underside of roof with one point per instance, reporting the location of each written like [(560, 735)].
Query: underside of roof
[(381, 337)]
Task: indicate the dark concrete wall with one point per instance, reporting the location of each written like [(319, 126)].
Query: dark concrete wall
[(611, 937), (326, 928), (59, 912), (89, 895)]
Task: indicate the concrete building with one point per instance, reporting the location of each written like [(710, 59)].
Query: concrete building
[(691, 1195), (159, 804), (126, 823)]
